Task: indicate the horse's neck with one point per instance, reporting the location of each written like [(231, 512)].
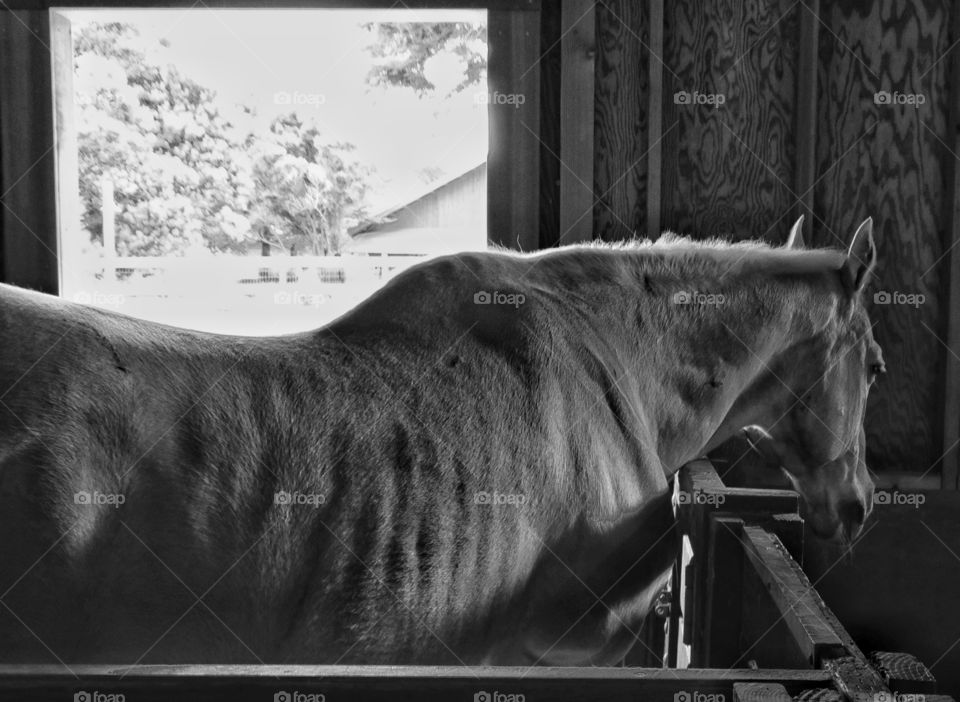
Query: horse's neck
[(715, 361)]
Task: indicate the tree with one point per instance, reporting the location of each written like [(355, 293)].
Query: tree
[(175, 162), (310, 190), (185, 178), (407, 46)]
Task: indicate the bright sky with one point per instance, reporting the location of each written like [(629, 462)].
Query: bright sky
[(318, 58)]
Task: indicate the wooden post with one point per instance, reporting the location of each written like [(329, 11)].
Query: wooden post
[(69, 210), (950, 401), (108, 209), (513, 167), (578, 48), (806, 163), (655, 120), (28, 250)]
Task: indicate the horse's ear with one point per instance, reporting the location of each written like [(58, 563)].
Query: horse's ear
[(861, 257), (795, 240)]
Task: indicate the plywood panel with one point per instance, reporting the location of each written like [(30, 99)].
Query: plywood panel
[(734, 161), (620, 134), (886, 161)]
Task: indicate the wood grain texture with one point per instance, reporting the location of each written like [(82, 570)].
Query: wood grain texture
[(620, 132), (950, 465), (550, 68), (578, 52), (797, 602), (513, 168), (734, 162), (386, 683), (760, 692), (885, 161)]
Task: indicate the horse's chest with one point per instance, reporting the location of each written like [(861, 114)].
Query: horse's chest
[(584, 605)]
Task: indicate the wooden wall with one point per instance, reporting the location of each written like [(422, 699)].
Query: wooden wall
[(731, 170), (620, 120)]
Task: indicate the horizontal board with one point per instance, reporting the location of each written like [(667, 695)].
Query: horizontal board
[(799, 605), (424, 683)]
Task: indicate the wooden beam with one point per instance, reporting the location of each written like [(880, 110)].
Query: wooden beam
[(904, 673), (806, 127), (655, 120), (950, 400), (856, 679), (238, 683), (506, 5), (799, 605), (723, 599), (578, 50), (513, 167), (760, 692), (27, 181)]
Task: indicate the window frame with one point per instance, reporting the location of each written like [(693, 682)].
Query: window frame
[(30, 150)]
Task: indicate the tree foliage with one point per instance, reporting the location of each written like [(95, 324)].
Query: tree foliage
[(406, 47), (308, 188), (184, 177)]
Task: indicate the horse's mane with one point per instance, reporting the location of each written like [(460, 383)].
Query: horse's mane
[(680, 255)]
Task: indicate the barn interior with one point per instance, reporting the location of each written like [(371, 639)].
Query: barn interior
[(714, 120)]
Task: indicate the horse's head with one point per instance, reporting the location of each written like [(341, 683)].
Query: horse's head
[(819, 439)]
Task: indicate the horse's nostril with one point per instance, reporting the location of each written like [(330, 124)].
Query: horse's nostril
[(852, 512)]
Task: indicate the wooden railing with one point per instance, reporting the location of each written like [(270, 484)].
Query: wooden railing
[(740, 598)]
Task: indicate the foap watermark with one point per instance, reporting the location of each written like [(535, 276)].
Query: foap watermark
[(100, 299), (895, 297), (308, 499), (692, 297), (97, 696), (698, 696), (714, 100), (498, 98), (499, 298), (497, 696), (97, 498), (296, 98), (500, 498), (294, 297), (884, 97), (297, 696), (699, 497), (885, 498)]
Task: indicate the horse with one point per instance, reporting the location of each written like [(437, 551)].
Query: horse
[(473, 466)]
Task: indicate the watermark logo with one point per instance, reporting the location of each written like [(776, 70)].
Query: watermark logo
[(699, 497), (293, 297), (692, 297), (884, 97), (311, 499), (297, 696), (500, 498), (296, 98), (498, 98), (698, 696), (885, 498), (889, 697), (99, 298), (98, 498), (895, 297), (714, 100), (97, 696), (499, 298), (497, 696)]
